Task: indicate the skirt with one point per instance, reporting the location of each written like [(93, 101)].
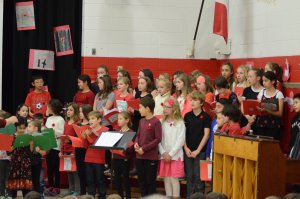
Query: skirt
[(174, 169)]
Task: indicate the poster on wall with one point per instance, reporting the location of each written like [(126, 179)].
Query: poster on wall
[(63, 40), (25, 16), (41, 60)]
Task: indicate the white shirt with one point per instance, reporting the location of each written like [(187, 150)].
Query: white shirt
[(173, 139), (159, 99), (57, 123), (263, 92)]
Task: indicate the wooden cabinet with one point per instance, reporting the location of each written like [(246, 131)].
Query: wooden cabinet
[(251, 168)]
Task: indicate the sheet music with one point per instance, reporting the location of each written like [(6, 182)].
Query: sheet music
[(108, 139), (67, 164)]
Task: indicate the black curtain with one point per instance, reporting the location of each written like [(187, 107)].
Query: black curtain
[(62, 82)]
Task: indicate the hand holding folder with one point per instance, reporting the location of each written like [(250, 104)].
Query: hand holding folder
[(79, 129)]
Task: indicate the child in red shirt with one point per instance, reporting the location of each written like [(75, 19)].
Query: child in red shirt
[(84, 95), (37, 99), (95, 158), (232, 117)]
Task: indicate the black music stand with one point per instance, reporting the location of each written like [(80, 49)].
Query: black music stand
[(122, 144)]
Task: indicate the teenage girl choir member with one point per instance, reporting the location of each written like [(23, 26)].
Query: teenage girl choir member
[(105, 99), (255, 84), (270, 123), (84, 94), (183, 88), (204, 86), (241, 81), (275, 68), (151, 87), (228, 73), (101, 71), (171, 165)]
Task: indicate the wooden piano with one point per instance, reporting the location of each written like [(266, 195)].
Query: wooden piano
[(251, 168)]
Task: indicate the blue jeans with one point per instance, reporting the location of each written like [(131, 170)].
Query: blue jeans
[(94, 176), (192, 170)]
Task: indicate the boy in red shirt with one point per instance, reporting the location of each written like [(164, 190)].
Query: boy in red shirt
[(95, 158), (232, 117), (146, 146), (37, 99)]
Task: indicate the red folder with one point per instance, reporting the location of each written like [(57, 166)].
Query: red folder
[(67, 163), (205, 170), (112, 118), (121, 152), (77, 142), (79, 130), (6, 141), (135, 104), (250, 107)]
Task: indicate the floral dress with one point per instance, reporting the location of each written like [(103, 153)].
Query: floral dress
[(20, 172)]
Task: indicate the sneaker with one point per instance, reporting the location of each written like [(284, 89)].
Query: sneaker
[(55, 192), (67, 194), (75, 193)]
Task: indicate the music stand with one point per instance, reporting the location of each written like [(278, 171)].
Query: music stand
[(122, 144)]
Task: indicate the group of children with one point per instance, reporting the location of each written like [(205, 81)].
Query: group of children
[(174, 127)]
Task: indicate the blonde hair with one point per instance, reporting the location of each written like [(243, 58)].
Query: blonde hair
[(37, 124), (176, 109), (96, 114), (186, 85), (126, 81), (197, 95), (245, 70), (167, 82), (127, 116), (165, 76)]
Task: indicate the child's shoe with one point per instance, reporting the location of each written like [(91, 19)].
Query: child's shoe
[(48, 191), (55, 192)]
